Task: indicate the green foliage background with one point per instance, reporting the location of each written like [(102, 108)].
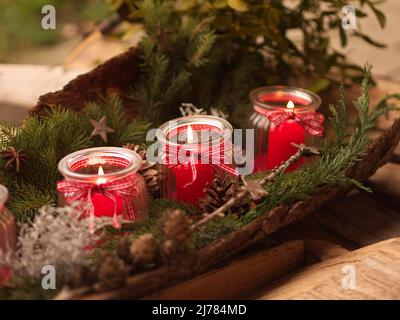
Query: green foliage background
[(20, 22), (213, 53)]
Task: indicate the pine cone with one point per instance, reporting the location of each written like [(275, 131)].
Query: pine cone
[(123, 250), (144, 250), (83, 276), (218, 192), (169, 249), (112, 272), (147, 170), (176, 226)]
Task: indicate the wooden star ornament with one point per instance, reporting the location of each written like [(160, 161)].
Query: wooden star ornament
[(255, 189), (100, 128), (307, 151)]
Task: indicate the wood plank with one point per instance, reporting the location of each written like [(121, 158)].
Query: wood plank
[(386, 182), (376, 270), (310, 229), (240, 277), (396, 153), (324, 250), (361, 218)]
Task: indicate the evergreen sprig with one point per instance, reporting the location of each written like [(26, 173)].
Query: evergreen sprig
[(45, 140), (212, 53)]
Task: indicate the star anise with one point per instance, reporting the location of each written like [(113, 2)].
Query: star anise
[(15, 158)]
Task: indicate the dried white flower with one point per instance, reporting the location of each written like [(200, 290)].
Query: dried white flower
[(57, 237), (188, 109), (218, 113)]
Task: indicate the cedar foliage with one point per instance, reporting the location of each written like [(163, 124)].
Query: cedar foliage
[(46, 140)]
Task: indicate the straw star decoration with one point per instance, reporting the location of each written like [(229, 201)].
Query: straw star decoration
[(307, 151), (100, 128), (255, 188)]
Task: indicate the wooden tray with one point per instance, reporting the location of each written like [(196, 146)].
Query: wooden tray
[(116, 76)]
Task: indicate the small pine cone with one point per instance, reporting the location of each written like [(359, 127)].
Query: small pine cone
[(169, 249), (135, 147), (176, 226), (218, 192), (144, 250), (83, 276), (123, 250), (150, 175), (147, 170), (112, 272)]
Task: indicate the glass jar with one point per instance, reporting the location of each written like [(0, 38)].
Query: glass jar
[(106, 178), (193, 150), (282, 116), (7, 233)]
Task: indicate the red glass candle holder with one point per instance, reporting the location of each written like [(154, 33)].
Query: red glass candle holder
[(207, 154), (282, 116), (7, 233), (106, 179)]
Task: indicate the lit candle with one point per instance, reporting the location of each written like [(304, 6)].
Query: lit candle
[(103, 205), (7, 232), (184, 180), (106, 179), (282, 116)]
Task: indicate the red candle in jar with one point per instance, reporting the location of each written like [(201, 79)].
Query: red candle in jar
[(103, 205), (194, 150), (7, 234), (282, 116), (106, 179)]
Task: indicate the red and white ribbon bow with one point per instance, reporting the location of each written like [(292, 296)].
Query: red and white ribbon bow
[(216, 156), (125, 188), (310, 121)]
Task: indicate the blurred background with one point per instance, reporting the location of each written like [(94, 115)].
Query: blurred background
[(34, 61), (22, 39)]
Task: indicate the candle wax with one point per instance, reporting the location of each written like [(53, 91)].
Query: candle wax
[(280, 141), (260, 159), (104, 206), (7, 240), (186, 191), (280, 138)]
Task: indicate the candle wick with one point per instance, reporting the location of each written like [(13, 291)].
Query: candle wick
[(190, 135), (101, 173), (290, 105)]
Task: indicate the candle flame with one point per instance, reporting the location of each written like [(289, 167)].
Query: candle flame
[(190, 135), (290, 104), (100, 172)]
